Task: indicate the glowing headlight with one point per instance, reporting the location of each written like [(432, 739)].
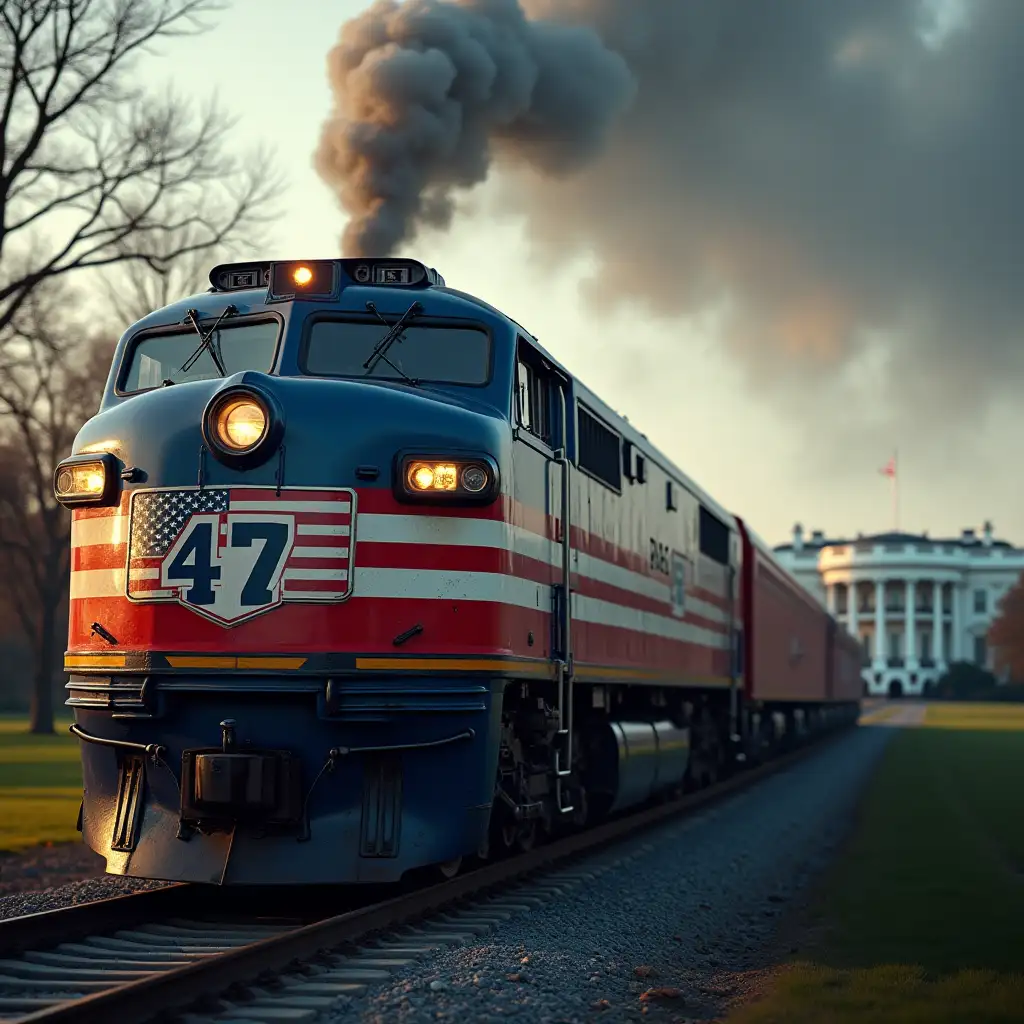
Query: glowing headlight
[(447, 478), (86, 480), (433, 477), (83, 480), (240, 424)]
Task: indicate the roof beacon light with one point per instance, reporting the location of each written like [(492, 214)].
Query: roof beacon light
[(306, 279), (322, 279)]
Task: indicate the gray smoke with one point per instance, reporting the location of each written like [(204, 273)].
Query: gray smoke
[(428, 91), (843, 182)]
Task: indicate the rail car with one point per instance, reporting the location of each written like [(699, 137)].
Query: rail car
[(365, 582)]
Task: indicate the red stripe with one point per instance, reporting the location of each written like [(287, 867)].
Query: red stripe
[(316, 563), (370, 624), (269, 494), (321, 540), (315, 586)]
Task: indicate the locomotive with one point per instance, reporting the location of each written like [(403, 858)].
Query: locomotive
[(364, 582)]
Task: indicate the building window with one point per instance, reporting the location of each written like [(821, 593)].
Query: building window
[(980, 601), (925, 640), (980, 651), (840, 598)]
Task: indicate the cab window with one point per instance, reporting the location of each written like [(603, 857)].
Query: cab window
[(171, 355), (432, 353)]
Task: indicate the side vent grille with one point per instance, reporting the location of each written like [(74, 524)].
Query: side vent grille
[(122, 696)]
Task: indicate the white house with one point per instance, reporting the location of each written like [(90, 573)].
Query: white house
[(920, 602)]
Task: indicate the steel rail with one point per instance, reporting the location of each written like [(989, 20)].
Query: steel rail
[(174, 990)]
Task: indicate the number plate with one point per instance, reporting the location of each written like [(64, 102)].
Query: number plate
[(231, 553)]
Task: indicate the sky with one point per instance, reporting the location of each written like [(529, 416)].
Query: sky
[(849, 334)]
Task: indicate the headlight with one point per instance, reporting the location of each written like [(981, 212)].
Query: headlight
[(86, 480), (462, 479), (243, 425)]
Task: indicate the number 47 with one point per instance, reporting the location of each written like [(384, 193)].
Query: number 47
[(195, 565)]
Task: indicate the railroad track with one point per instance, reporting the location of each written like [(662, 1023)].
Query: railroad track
[(195, 954)]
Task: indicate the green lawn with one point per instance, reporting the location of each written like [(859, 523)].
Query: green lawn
[(922, 918), (40, 785)]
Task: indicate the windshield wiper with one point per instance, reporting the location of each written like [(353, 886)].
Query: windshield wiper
[(394, 334), (205, 342)]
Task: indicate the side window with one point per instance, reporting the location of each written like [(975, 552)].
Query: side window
[(523, 394), (536, 395)]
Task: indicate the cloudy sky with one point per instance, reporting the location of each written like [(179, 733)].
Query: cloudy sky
[(783, 243)]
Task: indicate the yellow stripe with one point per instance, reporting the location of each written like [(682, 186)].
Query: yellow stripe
[(186, 662), (179, 661), (94, 661), (614, 672), (454, 665), (275, 663)]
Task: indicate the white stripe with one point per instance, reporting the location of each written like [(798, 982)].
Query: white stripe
[(323, 530), (604, 613), (97, 583), (438, 584), (449, 530), (315, 574), (319, 553), (337, 507), (104, 530), (146, 574), (442, 585), (313, 595)]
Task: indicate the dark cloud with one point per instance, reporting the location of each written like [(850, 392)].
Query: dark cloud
[(843, 188)]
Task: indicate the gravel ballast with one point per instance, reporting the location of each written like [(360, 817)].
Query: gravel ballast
[(667, 935), (50, 877)]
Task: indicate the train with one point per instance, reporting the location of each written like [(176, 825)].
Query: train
[(366, 585)]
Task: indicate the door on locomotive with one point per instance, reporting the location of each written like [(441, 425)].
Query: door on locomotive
[(543, 484)]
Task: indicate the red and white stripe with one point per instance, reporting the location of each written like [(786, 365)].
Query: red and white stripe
[(445, 569)]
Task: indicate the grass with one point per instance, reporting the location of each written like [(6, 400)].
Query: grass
[(921, 918), (40, 786)]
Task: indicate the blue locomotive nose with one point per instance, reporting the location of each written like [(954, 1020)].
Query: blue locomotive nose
[(255, 429)]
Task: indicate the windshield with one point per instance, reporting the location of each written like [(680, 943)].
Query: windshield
[(159, 357), (443, 355)]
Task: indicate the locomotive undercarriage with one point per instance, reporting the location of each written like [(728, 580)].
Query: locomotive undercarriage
[(695, 739)]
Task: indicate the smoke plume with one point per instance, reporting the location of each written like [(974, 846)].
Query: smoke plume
[(843, 181), (428, 91)]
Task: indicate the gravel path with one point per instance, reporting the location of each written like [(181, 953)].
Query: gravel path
[(675, 934)]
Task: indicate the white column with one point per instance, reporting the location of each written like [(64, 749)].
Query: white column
[(938, 652), (853, 615), (910, 627), (956, 639), (880, 620), (830, 598)]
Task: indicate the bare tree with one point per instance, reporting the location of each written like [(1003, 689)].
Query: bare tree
[(94, 171), (51, 378)]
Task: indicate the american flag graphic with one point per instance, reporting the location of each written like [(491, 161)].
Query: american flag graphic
[(318, 565)]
